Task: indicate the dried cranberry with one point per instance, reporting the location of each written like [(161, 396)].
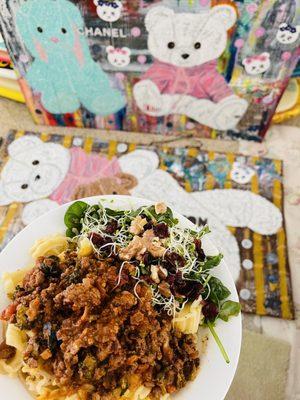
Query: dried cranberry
[(161, 230), (199, 250), (147, 258), (173, 261), (99, 240), (149, 225), (210, 311), (111, 227), (187, 288)]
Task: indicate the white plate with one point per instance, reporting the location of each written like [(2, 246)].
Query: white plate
[(215, 376)]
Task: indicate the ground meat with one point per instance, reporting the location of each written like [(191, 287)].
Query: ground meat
[(92, 324), (6, 351), (79, 295)]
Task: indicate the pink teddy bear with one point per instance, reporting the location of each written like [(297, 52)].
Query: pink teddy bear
[(184, 78)]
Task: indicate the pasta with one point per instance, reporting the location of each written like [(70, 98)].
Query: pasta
[(16, 338), (141, 393), (10, 280), (36, 379), (85, 248), (189, 318), (91, 319), (48, 246)]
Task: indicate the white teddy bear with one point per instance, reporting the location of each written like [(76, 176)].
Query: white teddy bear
[(184, 78), (109, 11), (118, 56), (33, 171), (221, 208), (257, 64), (287, 33), (44, 175)]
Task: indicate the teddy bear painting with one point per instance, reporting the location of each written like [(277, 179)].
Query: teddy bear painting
[(184, 78), (40, 175), (220, 208), (45, 175)]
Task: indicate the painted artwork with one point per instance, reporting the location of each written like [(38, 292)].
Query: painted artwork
[(241, 198), (210, 68)]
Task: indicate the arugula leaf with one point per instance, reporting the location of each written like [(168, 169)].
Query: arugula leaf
[(212, 262), (228, 309), (73, 217), (218, 291)]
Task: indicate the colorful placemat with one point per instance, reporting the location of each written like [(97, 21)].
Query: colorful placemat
[(240, 197)]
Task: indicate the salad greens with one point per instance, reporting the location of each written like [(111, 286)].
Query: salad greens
[(188, 270)]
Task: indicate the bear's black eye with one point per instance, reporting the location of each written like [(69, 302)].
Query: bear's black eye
[(39, 29), (63, 30), (24, 186), (171, 45), (197, 45), (38, 177), (35, 162)]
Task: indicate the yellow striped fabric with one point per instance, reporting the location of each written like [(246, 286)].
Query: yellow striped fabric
[(258, 258), (44, 136), (210, 180), (88, 144), (67, 141), (19, 134), (78, 119), (192, 152), (112, 149), (11, 212), (12, 208), (228, 183), (131, 147), (281, 249), (162, 164)]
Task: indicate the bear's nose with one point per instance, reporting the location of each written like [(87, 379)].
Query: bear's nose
[(185, 56)]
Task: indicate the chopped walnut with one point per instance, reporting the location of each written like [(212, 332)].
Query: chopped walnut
[(162, 272), (153, 244), (160, 208), (154, 273), (139, 245), (137, 225), (164, 289), (136, 246)]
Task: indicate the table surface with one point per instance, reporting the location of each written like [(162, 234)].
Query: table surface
[(282, 142)]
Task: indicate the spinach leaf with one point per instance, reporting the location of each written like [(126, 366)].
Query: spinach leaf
[(167, 217), (73, 217), (114, 213), (218, 291), (212, 261), (229, 308)]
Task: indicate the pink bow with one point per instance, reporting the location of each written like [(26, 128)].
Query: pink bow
[(118, 50), (258, 57)]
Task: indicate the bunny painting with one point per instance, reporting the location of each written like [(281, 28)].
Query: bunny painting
[(63, 70), (220, 208)]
